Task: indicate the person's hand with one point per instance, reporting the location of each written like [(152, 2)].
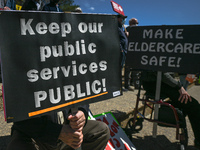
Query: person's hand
[(184, 96), (77, 121), (6, 8), (71, 137), (127, 34)]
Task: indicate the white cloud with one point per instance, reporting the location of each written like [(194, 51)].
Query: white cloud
[(92, 8)]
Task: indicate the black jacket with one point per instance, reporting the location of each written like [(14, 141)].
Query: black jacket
[(51, 7), (151, 76)]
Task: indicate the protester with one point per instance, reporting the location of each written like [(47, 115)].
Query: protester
[(33, 5), (128, 74), (123, 39), (132, 23), (52, 6), (54, 131), (10, 5), (78, 10), (179, 98)]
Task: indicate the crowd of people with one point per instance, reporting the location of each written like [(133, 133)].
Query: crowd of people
[(64, 130)]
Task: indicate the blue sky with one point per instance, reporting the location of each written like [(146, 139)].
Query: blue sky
[(149, 12)]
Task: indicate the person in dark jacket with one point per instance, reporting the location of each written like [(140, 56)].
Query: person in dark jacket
[(179, 98), (123, 39), (36, 5), (11, 4), (52, 6)]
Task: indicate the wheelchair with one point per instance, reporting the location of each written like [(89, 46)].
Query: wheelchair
[(168, 116)]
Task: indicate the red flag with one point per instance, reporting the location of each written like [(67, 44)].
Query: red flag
[(117, 8)]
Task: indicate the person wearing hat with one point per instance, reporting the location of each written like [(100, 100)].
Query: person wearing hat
[(78, 10), (123, 39)]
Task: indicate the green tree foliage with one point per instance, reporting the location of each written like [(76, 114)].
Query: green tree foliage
[(67, 5)]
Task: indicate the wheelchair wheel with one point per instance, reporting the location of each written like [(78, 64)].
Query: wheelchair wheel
[(138, 124)]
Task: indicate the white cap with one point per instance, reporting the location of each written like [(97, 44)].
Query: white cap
[(78, 9)]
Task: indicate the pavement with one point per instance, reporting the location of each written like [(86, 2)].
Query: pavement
[(123, 107)]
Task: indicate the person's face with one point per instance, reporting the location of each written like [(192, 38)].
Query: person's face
[(121, 20)]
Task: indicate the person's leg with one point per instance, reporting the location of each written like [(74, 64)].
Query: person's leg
[(123, 59), (126, 77), (19, 141), (192, 109), (96, 135), (63, 146)]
